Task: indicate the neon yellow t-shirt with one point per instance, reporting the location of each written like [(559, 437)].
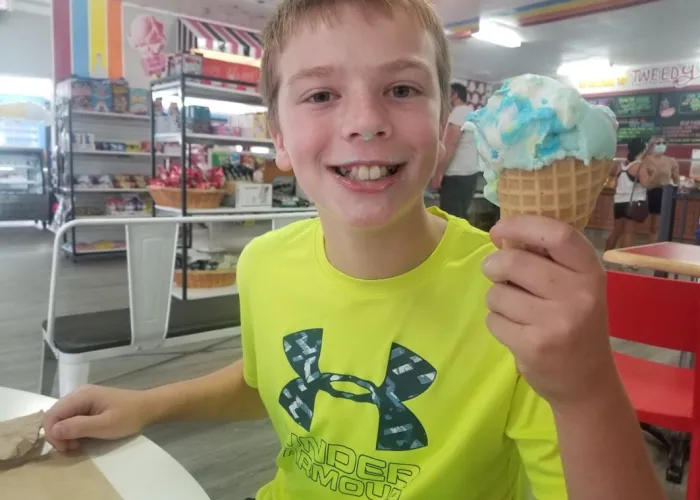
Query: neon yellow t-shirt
[(392, 388)]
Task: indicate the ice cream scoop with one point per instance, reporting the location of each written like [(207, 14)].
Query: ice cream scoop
[(534, 121)]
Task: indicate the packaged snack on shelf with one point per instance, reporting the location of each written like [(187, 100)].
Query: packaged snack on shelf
[(260, 126), (101, 96), (104, 182), (247, 76), (133, 147), (123, 182), (81, 95), (120, 96), (190, 64), (138, 101), (114, 205), (84, 181), (84, 142), (140, 181)]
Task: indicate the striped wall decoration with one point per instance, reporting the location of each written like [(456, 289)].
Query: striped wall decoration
[(88, 39), (547, 11), (199, 34)]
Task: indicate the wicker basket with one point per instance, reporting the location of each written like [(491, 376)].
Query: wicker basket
[(196, 198), (207, 279)]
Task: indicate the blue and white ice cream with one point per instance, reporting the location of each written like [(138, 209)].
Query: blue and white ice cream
[(533, 121)]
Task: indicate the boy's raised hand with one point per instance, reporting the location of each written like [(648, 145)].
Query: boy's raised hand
[(551, 312)]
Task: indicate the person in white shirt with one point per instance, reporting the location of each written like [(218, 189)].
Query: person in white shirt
[(631, 181), (456, 175)]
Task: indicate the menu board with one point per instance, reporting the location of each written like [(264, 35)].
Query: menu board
[(637, 106), (632, 128), (675, 115)]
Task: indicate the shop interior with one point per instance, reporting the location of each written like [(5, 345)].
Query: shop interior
[(149, 109)]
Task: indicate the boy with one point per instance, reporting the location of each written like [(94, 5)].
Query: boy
[(375, 365)]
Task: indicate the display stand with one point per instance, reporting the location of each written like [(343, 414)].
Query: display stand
[(23, 194), (74, 160), (179, 89)]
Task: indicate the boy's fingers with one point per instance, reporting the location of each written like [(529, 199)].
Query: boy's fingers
[(507, 332), (532, 272), (82, 427), (562, 242), (515, 304)]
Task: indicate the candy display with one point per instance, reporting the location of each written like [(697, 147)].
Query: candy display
[(543, 149), (206, 270), (128, 205), (205, 189), (103, 96), (98, 182)]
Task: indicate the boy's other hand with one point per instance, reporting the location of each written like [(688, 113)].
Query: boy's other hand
[(94, 412), (550, 311)]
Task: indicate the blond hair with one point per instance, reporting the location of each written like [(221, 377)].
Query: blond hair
[(292, 13)]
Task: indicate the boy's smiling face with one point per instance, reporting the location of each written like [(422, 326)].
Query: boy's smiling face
[(359, 115)]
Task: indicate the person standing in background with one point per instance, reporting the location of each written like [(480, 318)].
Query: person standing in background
[(456, 175), (663, 171), (631, 180)]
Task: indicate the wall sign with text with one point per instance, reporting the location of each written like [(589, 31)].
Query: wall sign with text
[(662, 76)]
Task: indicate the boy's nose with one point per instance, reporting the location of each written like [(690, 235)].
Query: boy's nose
[(365, 120)]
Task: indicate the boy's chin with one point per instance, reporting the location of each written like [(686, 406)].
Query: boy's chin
[(366, 216)]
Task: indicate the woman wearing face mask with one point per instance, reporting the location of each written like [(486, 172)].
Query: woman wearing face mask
[(663, 171), (630, 187)]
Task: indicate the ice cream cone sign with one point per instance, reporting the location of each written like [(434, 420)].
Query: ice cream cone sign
[(147, 36)]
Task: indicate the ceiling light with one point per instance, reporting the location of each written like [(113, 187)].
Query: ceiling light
[(588, 67), (498, 34)]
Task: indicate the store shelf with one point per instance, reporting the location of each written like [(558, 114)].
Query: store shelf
[(106, 190), (204, 91), (122, 153), (211, 139), (23, 182), (117, 216), (234, 211), (19, 149), (204, 293), (68, 248), (99, 114)]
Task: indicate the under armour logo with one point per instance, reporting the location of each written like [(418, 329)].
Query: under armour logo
[(407, 376)]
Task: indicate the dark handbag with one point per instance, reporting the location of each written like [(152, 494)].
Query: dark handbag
[(638, 211)]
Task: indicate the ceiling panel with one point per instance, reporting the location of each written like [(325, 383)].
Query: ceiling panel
[(652, 33)]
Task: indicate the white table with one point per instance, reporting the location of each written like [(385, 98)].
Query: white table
[(136, 467)]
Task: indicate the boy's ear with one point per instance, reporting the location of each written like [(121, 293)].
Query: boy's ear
[(281, 157)]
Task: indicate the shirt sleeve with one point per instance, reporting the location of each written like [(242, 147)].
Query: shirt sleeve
[(531, 426), (458, 116), (250, 367)]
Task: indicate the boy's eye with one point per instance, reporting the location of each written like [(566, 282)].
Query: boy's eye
[(403, 91), (321, 97)]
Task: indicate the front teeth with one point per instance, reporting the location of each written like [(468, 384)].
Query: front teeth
[(364, 173)]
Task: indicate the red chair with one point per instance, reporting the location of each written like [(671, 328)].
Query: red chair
[(661, 313)]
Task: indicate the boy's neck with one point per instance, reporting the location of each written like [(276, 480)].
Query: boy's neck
[(383, 253)]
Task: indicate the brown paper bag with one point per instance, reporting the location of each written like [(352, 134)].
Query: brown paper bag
[(18, 437), (56, 476), (27, 475)]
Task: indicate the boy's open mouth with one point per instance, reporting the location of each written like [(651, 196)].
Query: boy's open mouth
[(367, 172)]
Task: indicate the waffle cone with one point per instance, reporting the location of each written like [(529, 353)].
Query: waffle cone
[(566, 190)]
